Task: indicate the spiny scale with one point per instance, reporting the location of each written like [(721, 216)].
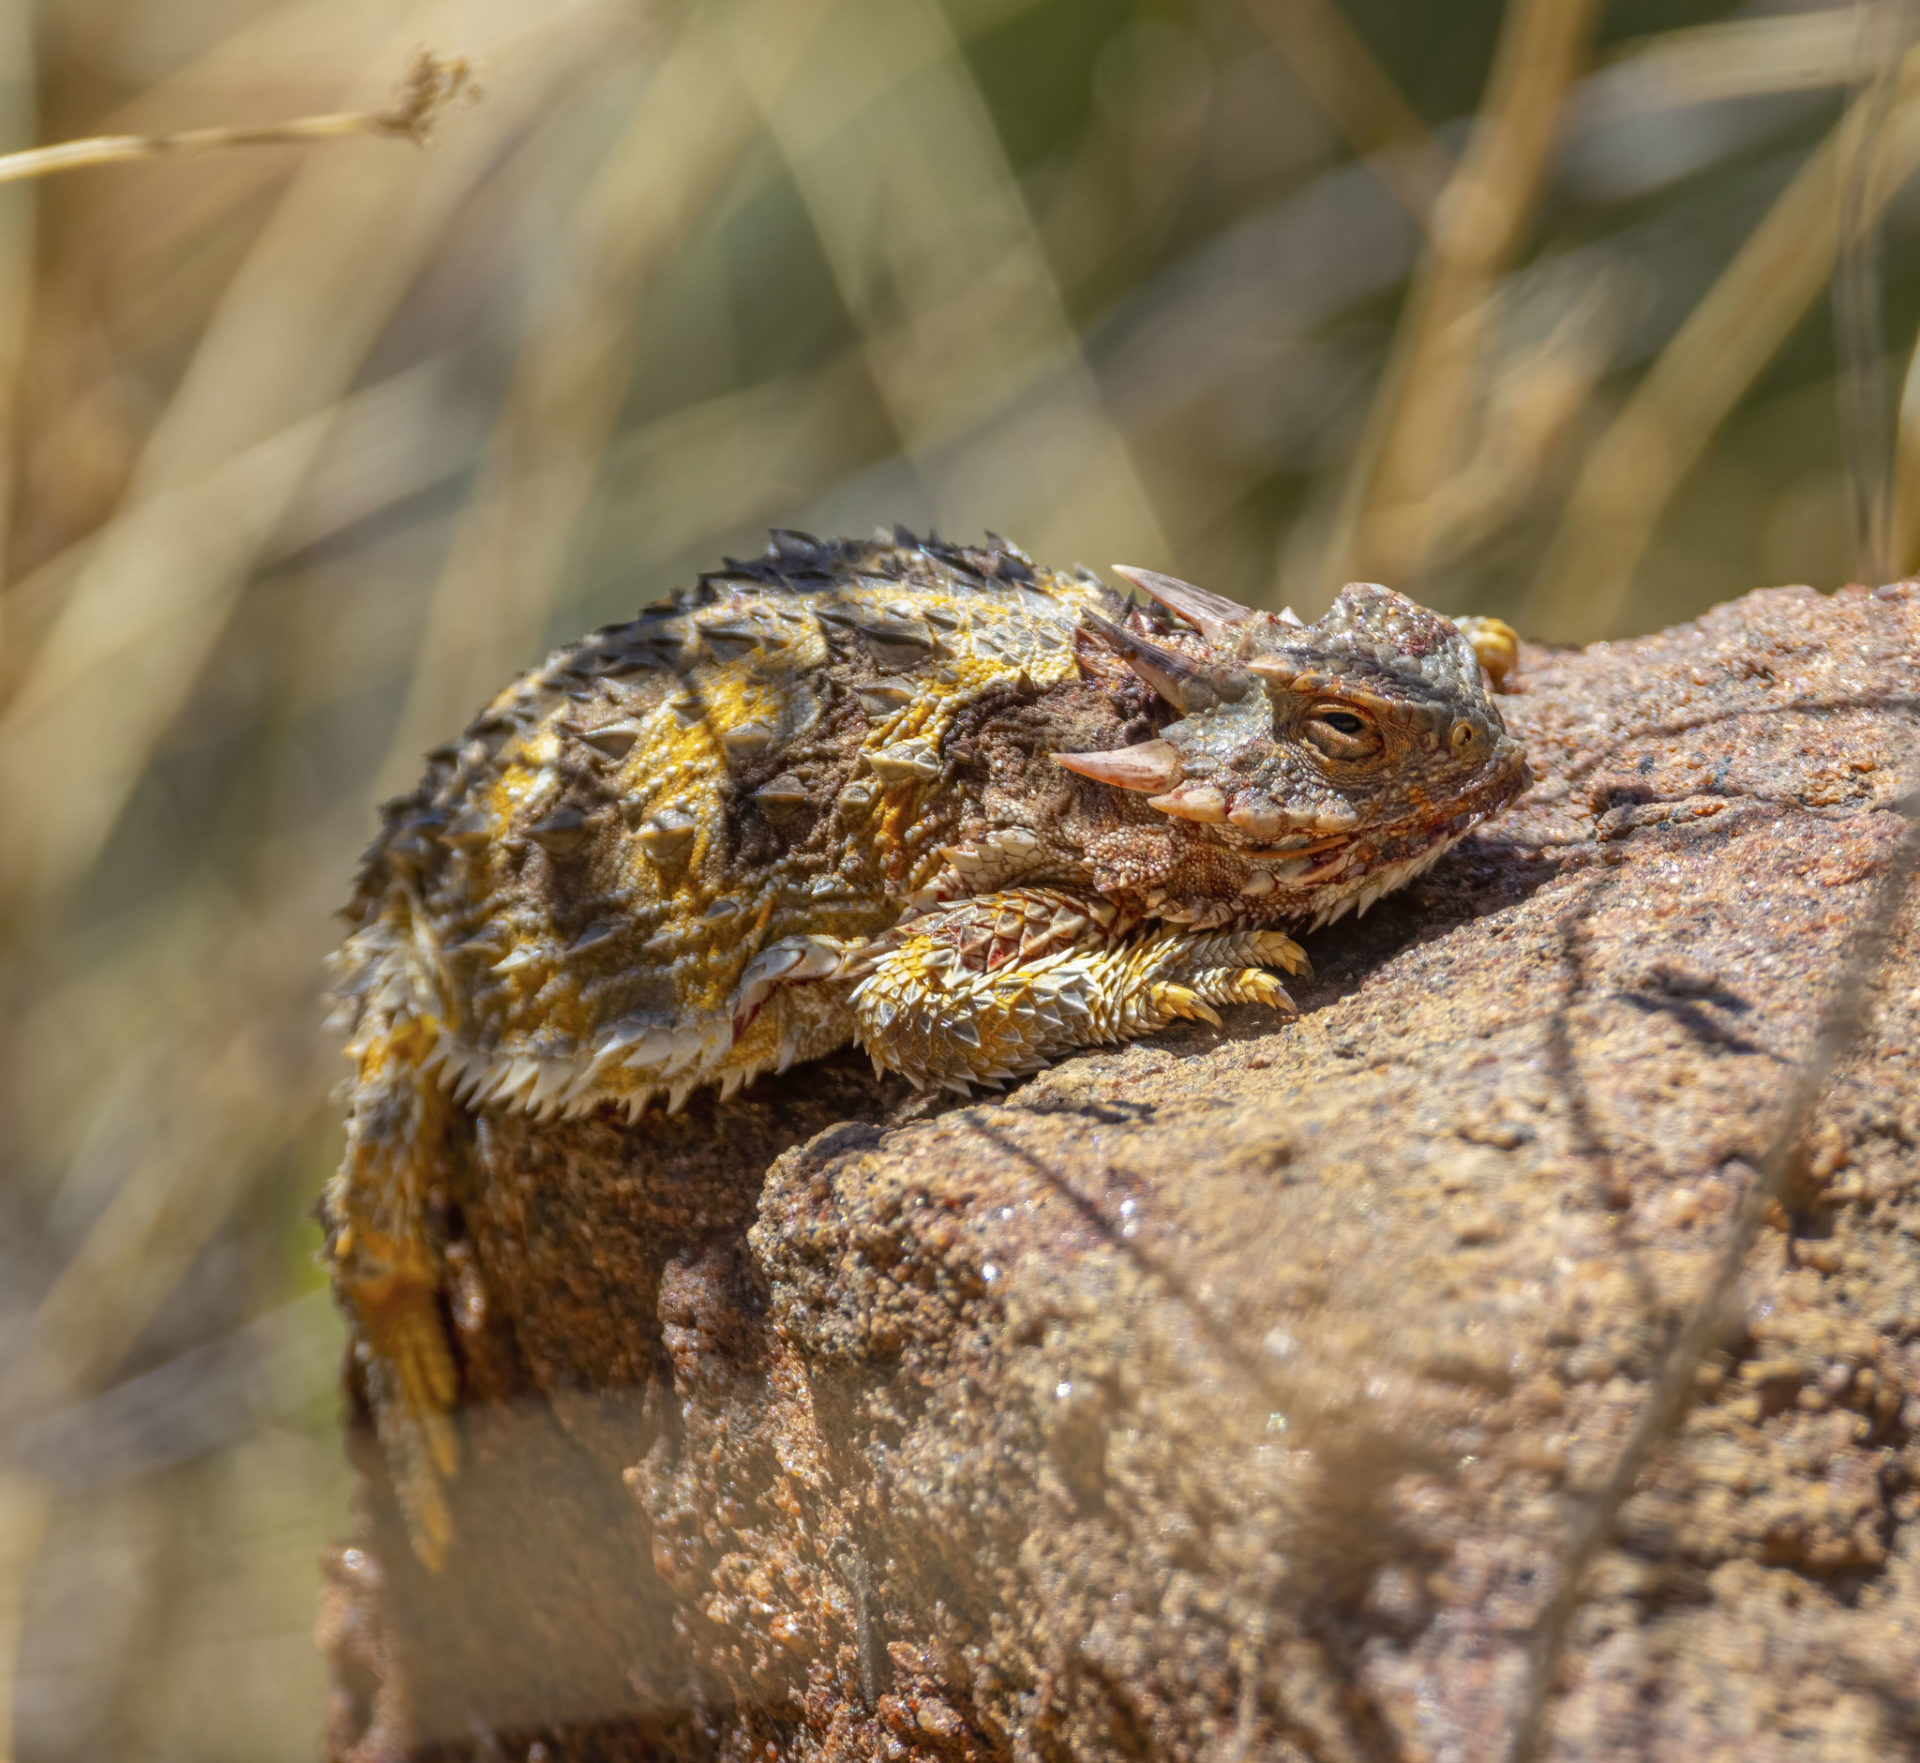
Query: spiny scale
[(745, 764), (967, 811)]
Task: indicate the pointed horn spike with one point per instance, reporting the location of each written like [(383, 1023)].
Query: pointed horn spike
[(1201, 802), (1185, 684), (1213, 615), (1276, 670), (1150, 767)]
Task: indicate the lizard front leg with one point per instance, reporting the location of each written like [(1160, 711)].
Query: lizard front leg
[(986, 988)]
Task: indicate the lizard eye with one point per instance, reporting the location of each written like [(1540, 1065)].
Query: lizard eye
[(1340, 732)]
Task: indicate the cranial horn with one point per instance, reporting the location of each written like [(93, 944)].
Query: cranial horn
[(1151, 766), (1212, 615), (1276, 670), (1185, 684)]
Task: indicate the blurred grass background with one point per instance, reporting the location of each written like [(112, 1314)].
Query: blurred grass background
[(1525, 306)]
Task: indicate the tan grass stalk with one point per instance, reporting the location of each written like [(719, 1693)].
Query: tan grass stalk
[(213, 1127), (1341, 75), (431, 84), (185, 1129), (162, 580), (1422, 420), (17, 227), (1904, 539), (689, 134), (1884, 31), (26, 1503), (1532, 402), (938, 259), (1705, 369), (739, 461), (370, 442), (1733, 58)]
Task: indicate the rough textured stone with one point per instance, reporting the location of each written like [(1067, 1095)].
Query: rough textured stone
[(1225, 1395)]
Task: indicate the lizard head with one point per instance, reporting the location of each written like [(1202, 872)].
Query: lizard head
[(1337, 758)]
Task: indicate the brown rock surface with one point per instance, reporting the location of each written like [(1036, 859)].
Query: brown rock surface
[(1227, 1395)]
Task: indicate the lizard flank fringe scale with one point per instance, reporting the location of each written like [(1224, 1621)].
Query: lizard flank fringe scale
[(933, 798)]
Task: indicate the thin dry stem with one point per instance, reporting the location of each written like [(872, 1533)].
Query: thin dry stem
[(1534, 398), (26, 1503), (1734, 58), (1904, 520), (164, 576), (691, 131), (968, 333), (1738, 326), (1342, 76), (1420, 424), (1884, 29), (431, 85), (19, 221)]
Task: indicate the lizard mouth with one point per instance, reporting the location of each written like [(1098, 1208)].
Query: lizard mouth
[(1458, 817), (1324, 878)]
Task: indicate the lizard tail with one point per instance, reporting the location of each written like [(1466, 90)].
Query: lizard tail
[(387, 1274)]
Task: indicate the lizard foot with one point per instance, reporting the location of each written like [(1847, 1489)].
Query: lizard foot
[(994, 986)]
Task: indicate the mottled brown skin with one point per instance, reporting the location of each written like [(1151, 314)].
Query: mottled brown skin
[(966, 811)]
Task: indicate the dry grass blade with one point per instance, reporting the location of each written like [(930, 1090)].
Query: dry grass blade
[(431, 84), (1532, 400), (1903, 543), (740, 461), (1859, 334), (1342, 76), (938, 260), (1422, 416), (690, 132), (1737, 58), (17, 228), (1845, 1020), (225, 1116), (1704, 370), (25, 1504), (164, 578)]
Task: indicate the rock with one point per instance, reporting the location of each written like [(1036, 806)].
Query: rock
[(1232, 1394)]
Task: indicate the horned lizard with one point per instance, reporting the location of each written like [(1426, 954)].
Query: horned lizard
[(964, 810)]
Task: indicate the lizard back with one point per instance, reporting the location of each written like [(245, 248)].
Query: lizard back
[(573, 895)]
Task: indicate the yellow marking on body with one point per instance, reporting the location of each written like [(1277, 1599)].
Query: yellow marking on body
[(896, 815), (681, 764)]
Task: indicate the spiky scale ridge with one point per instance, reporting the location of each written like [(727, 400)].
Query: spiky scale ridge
[(968, 811)]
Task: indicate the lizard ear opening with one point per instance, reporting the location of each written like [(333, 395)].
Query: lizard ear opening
[(1212, 615), (1151, 767)]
